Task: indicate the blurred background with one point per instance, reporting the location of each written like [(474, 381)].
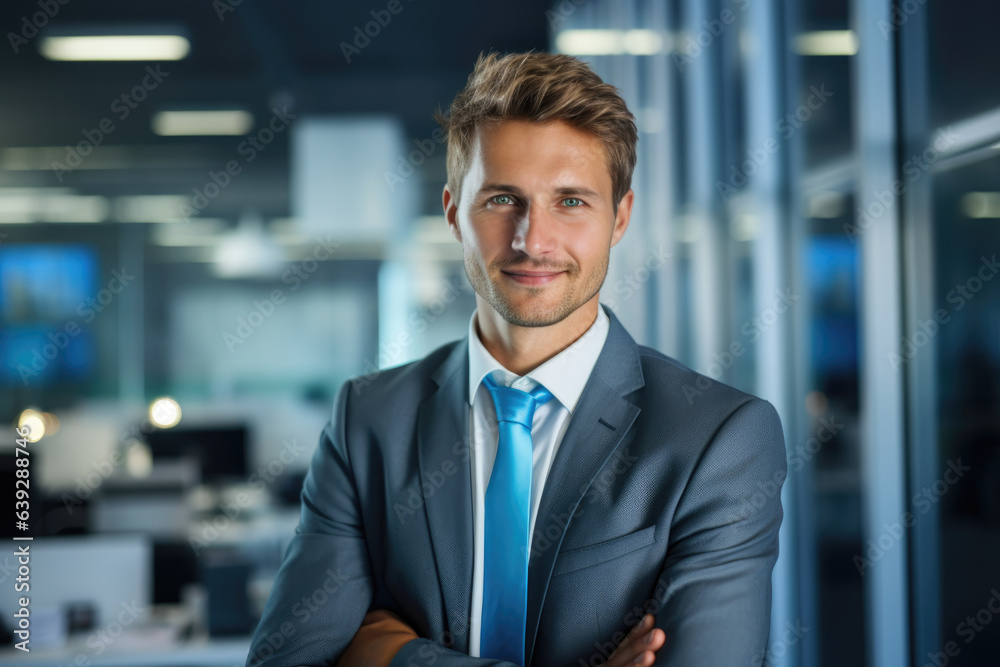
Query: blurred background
[(214, 213)]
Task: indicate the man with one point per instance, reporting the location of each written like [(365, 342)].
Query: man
[(542, 491)]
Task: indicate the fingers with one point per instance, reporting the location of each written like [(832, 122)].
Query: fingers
[(644, 624), (639, 646)]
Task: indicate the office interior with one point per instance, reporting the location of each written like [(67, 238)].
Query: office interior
[(213, 214)]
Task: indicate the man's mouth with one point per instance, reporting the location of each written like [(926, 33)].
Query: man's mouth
[(526, 277)]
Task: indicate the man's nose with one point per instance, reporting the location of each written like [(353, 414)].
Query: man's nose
[(536, 232)]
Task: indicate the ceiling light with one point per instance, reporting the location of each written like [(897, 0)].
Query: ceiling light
[(27, 205), (827, 43), (642, 42), (589, 42), (610, 42), (114, 47), (202, 123), (981, 205)]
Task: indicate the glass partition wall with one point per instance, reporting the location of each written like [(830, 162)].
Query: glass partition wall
[(950, 351), (821, 182)]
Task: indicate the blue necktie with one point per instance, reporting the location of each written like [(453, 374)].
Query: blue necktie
[(508, 516)]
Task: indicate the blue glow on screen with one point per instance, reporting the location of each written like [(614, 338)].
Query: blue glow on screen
[(832, 276), (44, 338), (42, 282)]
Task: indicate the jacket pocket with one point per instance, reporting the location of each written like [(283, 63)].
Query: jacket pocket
[(595, 554)]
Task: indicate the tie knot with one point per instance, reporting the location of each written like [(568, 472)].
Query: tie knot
[(515, 405)]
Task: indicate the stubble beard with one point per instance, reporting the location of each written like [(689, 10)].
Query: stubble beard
[(534, 314)]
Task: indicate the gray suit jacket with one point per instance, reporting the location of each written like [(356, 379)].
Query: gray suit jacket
[(663, 497)]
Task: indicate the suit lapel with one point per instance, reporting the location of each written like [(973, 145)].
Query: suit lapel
[(443, 444), (596, 429)]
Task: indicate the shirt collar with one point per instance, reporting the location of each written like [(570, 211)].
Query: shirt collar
[(564, 375)]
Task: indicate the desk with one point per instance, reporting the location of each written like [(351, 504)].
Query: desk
[(196, 653)]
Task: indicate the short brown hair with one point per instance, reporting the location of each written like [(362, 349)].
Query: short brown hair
[(540, 87)]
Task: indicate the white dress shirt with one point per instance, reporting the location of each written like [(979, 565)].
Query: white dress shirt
[(565, 376)]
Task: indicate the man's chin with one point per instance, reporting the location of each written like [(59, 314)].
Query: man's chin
[(532, 313)]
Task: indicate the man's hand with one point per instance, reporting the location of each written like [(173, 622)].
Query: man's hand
[(382, 634), (377, 641), (639, 646)]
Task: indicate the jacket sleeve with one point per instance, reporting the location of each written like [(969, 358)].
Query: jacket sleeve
[(324, 586), (714, 590)]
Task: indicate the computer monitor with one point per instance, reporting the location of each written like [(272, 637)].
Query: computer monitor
[(221, 451), (47, 304), (109, 573), (175, 564)]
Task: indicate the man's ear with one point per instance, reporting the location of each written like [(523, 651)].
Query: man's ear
[(450, 204), (622, 217)]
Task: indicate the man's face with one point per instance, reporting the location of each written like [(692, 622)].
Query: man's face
[(536, 220)]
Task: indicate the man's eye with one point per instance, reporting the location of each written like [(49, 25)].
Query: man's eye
[(503, 200), (572, 202)]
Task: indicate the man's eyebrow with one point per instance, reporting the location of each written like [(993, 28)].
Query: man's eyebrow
[(500, 187), (578, 190)]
